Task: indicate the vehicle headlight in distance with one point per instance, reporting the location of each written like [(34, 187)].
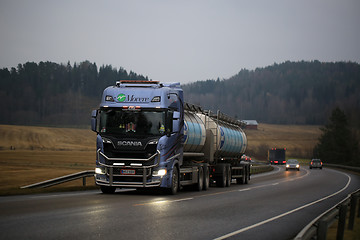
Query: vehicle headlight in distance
[(297, 166), (287, 165)]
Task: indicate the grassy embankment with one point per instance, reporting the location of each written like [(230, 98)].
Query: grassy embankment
[(42, 153)]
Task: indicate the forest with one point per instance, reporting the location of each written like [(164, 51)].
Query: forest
[(52, 94), (287, 93)]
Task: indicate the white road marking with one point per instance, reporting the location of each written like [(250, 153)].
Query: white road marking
[(284, 214)]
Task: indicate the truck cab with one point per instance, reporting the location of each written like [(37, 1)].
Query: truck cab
[(139, 127)]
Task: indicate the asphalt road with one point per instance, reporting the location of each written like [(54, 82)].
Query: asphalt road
[(275, 205)]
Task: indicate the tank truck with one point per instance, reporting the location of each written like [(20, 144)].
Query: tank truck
[(148, 137)]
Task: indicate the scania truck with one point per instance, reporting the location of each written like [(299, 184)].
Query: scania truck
[(147, 137)]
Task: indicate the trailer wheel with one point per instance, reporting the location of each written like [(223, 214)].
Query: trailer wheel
[(247, 174), (243, 176), (200, 183), (206, 177), (228, 175), (107, 189), (221, 179), (174, 182)]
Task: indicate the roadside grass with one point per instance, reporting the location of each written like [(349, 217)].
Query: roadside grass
[(348, 234), (42, 153)]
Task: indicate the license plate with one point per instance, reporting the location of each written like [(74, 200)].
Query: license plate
[(127, 172)]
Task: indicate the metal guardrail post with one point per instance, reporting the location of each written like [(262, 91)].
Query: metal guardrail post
[(352, 211), (84, 181), (358, 215), (322, 229), (342, 221)]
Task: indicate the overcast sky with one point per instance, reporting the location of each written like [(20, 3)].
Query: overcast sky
[(179, 41)]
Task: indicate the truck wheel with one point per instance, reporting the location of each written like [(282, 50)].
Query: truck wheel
[(174, 181), (206, 177), (247, 175), (107, 189), (242, 179), (221, 179), (228, 175), (200, 183)]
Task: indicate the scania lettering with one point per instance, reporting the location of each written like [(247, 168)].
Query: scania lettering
[(129, 143), (148, 137)]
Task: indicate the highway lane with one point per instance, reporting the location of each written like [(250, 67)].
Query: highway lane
[(274, 205)]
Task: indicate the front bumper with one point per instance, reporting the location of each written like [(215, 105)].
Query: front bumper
[(142, 176)]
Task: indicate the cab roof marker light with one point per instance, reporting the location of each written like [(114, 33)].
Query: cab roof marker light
[(109, 98), (156, 99)]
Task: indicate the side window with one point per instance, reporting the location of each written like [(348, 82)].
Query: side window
[(174, 102)]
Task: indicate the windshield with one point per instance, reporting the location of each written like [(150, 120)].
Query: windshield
[(132, 123), (292, 161)]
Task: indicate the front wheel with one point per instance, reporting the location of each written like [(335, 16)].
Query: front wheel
[(174, 181)]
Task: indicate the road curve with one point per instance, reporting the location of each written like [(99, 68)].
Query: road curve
[(275, 205)]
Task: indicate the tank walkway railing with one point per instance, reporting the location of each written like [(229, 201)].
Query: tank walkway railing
[(318, 228), (63, 179)]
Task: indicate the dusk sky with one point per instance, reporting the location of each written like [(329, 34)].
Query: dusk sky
[(179, 41)]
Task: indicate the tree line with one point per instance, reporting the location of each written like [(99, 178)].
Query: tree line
[(48, 93), (287, 93)]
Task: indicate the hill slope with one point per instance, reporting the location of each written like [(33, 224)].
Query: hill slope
[(287, 93)]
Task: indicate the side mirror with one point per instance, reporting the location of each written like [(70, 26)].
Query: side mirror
[(94, 114)]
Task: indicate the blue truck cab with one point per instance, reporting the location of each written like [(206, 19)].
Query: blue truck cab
[(139, 127)]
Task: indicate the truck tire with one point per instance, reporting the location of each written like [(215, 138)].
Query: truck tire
[(221, 179), (242, 179), (206, 177), (174, 182), (247, 174), (228, 175), (107, 189), (200, 181)]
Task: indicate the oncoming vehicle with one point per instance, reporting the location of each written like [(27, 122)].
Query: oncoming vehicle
[(292, 164), (315, 163)]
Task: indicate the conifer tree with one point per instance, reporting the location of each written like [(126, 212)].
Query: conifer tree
[(337, 144)]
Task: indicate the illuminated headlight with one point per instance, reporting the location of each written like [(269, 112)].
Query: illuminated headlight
[(100, 170), (297, 166), (160, 173), (287, 165)]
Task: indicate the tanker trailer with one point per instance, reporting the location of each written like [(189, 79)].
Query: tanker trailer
[(216, 142)]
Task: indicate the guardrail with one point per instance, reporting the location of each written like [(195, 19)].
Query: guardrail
[(355, 169), (317, 229), (90, 173), (63, 179), (260, 169)]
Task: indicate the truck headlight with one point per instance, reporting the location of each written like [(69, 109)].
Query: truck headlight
[(99, 170), (160, 173)]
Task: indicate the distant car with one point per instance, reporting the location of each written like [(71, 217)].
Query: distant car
[(315, 163), (292, 164)]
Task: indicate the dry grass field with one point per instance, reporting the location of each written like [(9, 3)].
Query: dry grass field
[(299, 140), (33, 154), (41, 153)]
